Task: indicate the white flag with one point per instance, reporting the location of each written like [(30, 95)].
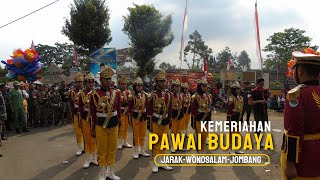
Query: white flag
[(244, 68), (185, 26), (229, 64)]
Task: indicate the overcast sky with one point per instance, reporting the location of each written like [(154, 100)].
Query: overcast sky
[(221, 23)]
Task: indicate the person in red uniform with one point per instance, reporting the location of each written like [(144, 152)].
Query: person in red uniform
[(138, 116), (200, 110), (176, 114), (159, 113), (300, 155), (186, 101), (235, 107), (85, 120), (74, 105), (123, 128), (105, 112)]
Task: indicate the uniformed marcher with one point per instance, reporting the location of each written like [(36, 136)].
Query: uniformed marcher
[(105, 111), (124, 121), (235, 107), (300, 155), (31, 105), (138, 116), (42, 100), (159, 112), (74, 105), (54, 106), (3, 115), (9, 108), (85, 120), (200, 110), (186, 102), (176, 113)]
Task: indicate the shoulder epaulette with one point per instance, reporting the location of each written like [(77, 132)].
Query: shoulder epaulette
[(91, 92), (80, 92), (231, 98), (129, 95), (294, 93), (193, 96)]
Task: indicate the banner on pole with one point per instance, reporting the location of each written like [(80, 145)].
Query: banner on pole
[(106, 56)]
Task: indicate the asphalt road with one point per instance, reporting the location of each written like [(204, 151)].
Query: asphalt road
[(39, 155)]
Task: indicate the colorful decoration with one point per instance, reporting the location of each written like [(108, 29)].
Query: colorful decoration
[(290, 70), (24, 66), (310, 51), (292, 62)]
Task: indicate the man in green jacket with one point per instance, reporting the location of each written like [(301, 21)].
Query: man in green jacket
[(17, 113)]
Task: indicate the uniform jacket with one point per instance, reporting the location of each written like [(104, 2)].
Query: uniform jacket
[(98, 103), (301, 142)]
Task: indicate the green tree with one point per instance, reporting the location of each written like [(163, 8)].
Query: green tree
[(223, 58), (282, 44), (243, 60), (88, 26), (48, 54), (3, 72), (212, 62), (149, 32), (167, 66), (63, 55), (197, 48)]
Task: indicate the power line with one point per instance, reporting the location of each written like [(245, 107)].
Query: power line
[(29, 14)]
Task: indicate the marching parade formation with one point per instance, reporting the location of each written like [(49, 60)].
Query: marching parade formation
[(102, 115), (118, 101)]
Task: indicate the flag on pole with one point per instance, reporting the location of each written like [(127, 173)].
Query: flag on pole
[(184, 29), (75, 56), (32, 46), (229, 64), (258, 35), (205, 66)]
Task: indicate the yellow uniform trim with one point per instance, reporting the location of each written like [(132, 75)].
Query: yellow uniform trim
[(311, 136)]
